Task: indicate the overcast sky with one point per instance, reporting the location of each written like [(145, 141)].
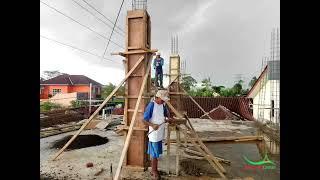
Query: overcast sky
[(217, 38)]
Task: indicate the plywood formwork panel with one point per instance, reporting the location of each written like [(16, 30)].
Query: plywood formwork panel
[(174, 69), (136, 154), (137, 38)]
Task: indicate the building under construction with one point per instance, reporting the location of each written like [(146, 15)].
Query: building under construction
[(210, 137)]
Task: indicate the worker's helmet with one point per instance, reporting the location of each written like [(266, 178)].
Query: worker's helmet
[(158, 53)]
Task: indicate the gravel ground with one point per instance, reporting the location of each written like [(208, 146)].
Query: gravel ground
[(72, 164)]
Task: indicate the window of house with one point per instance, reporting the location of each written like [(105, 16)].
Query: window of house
[(93, 90), (55, 91), (41, 90)]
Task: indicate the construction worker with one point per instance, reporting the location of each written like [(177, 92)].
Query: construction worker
[(157, 65), (155, 116)]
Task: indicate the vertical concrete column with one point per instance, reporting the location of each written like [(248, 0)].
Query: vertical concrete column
[(174, 90), (137, 41)]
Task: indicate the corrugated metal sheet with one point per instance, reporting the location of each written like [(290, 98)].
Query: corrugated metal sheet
[(239, 105)]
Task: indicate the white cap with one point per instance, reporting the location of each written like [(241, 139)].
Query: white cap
[(163, 94), (158, 54)]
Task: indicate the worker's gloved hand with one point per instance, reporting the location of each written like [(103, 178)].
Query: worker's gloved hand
[(155, 126)]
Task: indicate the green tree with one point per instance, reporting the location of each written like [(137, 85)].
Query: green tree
[(48, 106), (206, 82), (76, 103), (121, 91), (218, 89), (253, 80), (188, 82), (205, 90), (226, 92), (237, 88), (107, 89)]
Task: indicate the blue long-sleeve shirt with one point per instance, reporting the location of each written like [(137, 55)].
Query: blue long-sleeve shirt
[(149, 111), (158, 63)]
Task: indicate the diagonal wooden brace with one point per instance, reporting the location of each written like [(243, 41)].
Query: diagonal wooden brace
[(205, 155), (100, 107), (134, 117)]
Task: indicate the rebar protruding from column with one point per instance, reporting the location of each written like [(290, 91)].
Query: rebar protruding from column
[(177, 45), (171, 45), (139, 4)]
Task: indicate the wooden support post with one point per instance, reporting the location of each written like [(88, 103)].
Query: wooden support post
[(126, 143), (178, 152), (168, 149), (178, 114), (99, 108)]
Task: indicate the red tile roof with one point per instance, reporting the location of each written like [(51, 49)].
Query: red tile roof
[(67, 79)]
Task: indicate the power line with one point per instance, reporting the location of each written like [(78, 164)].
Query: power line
[(113, 29), (96, 17), (71, 46), (102, 15), (80, 23)]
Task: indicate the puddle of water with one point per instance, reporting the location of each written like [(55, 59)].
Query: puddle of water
[(239, 167)]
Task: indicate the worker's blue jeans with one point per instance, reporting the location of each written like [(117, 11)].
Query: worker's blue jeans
[(159, 77)]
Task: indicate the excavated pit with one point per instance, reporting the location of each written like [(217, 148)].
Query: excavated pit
[(82, 141)]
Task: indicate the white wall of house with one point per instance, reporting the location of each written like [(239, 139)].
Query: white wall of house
[(264, 98)]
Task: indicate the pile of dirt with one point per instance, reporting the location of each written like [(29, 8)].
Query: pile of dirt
[(113, 124), (190, 168), (82, 141), (64, 116)]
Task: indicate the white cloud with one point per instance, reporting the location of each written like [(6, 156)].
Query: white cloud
[(218, 38), (57, 57), (197, 19)]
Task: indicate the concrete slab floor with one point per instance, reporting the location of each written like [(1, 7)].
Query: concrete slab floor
[(72, 164)]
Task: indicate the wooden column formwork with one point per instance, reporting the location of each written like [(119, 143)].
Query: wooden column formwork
[(137, 41), (175, 101), (174, 80)]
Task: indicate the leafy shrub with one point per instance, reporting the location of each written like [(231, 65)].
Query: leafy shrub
[(48, 106), (76, 104)]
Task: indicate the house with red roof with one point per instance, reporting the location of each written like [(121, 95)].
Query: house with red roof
[(70, 84)]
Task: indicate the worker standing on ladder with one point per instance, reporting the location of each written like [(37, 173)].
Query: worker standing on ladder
[(157, 65), (155, 117)]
